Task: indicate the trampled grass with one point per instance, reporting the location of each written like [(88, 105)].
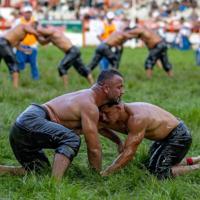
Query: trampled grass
[(179, 95)]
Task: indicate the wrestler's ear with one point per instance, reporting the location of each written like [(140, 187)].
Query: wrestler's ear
[(105, 88)]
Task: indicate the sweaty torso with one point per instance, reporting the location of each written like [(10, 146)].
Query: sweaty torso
[(150, 38), (116, 38), (61, 41), (66, 109), (157, 122), (15, 35)]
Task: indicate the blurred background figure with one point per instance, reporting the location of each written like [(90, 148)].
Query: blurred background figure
[(176, 21), (183, 42), (198, 56), (105, 30), (27, 52)]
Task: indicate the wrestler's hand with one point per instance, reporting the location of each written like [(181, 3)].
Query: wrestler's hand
[(104, 173)]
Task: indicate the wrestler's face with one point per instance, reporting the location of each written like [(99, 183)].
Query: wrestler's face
[(115, 89), (109, 115)]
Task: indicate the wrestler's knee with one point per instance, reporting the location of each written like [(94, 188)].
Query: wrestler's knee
[(84, 72), (167, 67), (69, 146), (148, 65), (161, 173), (101, 48), (61, 70), (13, 67)]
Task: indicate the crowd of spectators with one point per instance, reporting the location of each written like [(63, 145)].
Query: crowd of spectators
[(77, 9), (172, 16)]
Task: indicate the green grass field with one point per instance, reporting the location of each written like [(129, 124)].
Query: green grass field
[(179, 95)]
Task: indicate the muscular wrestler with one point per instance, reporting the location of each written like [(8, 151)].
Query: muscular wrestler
[(53, 125), (157, 49), (11, 39), (72, 54), (140, 120), (116, 39)]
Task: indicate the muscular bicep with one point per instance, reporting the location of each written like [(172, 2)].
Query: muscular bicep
[(128, 35), (135, 135), (137, 128), (134, 140), (89, 121), (133, 33), (43, 40), (29, 29), (45, 31)]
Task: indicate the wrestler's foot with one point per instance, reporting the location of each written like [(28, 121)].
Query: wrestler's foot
[(190, 160), (12, 170), (149, 73), (196, 159), (170, 73)]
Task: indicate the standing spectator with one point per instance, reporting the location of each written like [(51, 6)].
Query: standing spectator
[(183, 36), (107, 28), (27, 51)]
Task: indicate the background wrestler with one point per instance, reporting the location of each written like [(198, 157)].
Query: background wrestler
[(157, 49), (116, 39), (10, 39), (72, 54)]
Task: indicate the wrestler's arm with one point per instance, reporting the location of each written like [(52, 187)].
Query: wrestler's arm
[(43, 40), (111, 135), (44, 35), (132, 33), (29, 29), (89, 121), (128, 35), (134, 138), (45, 31), (99, 38)]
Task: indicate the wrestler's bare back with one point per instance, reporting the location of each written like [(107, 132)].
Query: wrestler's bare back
[(15, 35), (61, 41), (56, 37), (116, 38), (149, 37), (67, 109), (156, 122)]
